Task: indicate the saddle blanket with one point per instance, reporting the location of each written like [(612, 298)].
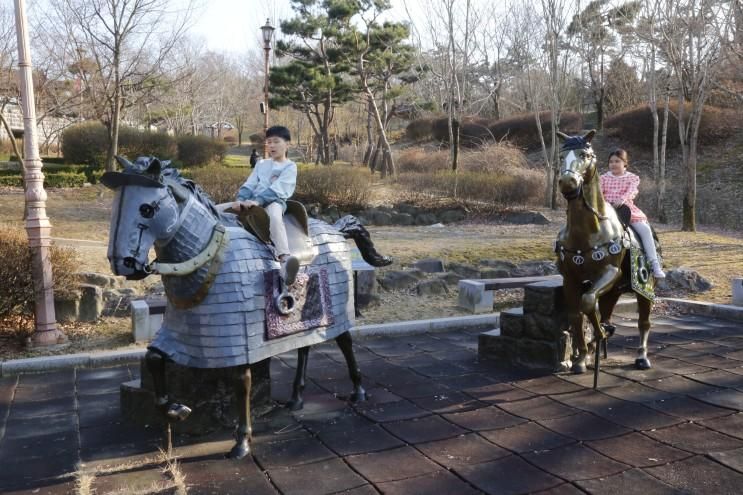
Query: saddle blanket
[(312, 309)]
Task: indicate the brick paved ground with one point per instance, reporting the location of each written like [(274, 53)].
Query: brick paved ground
[(439, 422)]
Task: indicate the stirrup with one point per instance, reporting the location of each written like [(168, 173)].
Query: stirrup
[(178, 412), (289, 270)]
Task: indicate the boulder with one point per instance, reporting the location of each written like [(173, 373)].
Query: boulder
[(429, 265), (379, 217), (332, 212), (466, 271), (402, 219), (91, 302), (499, 264), (398, 280), (451, 216), (450, 278), (686, 279), (67, 306), (407, 208), (535, 269), (426, 219), (495, 273), (313, 209), (98, 279), (525, 217), (432, 287)]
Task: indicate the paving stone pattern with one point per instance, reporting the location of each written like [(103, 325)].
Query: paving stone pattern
[(438, 421)]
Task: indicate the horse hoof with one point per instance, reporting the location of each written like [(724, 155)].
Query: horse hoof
[(578, 368), (178, 412), (240, 450), (360, 396), (295, 404), (642, 364)]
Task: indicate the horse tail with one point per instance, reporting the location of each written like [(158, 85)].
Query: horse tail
[(351, 228)]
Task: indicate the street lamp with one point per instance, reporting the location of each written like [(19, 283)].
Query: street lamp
[(267, 33), (38, 226)]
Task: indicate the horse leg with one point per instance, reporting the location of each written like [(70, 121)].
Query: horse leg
[(155, 362), (607, 303), (575, 321), (243, 382), (643, 324), (589, 305), (346, 345), (296, 402)]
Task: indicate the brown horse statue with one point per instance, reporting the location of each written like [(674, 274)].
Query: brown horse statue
[(598, 257)]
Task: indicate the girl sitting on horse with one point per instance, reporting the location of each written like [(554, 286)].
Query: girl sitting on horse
[(620, 188), (269, 185)]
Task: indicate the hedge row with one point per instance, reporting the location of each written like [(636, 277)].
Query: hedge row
[(57, 179), (88, 143)]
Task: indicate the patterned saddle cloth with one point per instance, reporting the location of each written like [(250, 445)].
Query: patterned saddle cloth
[(641, 278)]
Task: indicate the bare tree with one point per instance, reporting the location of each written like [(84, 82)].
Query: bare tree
[(128, 43), (692, 35)]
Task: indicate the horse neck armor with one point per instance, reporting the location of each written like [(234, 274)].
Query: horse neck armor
[(194, 234)]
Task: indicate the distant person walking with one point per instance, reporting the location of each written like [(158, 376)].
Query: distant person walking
[(253, 158)]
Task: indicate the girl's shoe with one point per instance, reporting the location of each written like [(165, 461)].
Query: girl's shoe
[(657, 270)]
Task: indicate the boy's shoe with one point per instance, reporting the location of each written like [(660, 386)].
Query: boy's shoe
[(289, 269), (658, 271)]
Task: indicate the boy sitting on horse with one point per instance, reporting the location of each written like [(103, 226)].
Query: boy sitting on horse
[(269, 185), (620, 188)]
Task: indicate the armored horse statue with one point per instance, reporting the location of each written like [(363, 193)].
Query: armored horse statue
[(598, 256), (222, 285)]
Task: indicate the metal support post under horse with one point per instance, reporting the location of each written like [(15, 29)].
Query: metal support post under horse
[(38, 226), (597, 362)]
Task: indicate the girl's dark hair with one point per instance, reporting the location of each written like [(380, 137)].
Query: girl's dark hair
[(278, 131), (621, 154)]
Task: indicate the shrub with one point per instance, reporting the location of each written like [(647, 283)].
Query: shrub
[(220, 183), (56, 179), (88, 143), (198, 151), (497, 174), (11, 180), (496, 157), (85, 143), (230, 139), (521, 130), (420, 129), (134, 143), (343, 186), (635, 126), (16, 283), (521, 187), (473, 131)]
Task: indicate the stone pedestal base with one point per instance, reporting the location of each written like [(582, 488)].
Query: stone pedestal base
[(208, 392), (535, 336)]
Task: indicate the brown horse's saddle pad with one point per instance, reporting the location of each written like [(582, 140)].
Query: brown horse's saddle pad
[(256, 221)]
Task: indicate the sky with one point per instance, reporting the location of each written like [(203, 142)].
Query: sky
[(234, 25)]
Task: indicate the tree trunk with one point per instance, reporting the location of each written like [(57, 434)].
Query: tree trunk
[(455, 144), (369, 137), (113, 136), (662, 216)]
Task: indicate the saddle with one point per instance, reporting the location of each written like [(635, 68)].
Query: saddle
[(256, 221)]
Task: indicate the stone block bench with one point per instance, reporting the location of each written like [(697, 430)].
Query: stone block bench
[(147, 316), (477, 295)]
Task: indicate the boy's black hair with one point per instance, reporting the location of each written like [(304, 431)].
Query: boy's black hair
[(278, 131)]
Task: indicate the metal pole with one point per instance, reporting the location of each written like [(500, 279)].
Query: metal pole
[(266, 49), (38, 226)]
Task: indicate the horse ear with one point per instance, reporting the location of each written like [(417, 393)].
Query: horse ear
[(154, 167), (123, 162), (590, 135), (562, 135)]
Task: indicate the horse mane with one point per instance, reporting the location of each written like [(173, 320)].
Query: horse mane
[(171, 175)]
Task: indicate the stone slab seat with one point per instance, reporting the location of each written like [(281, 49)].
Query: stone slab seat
[(477, 295)]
